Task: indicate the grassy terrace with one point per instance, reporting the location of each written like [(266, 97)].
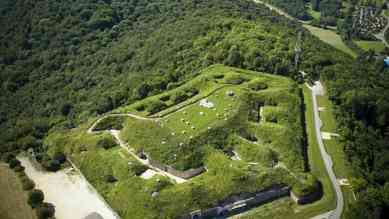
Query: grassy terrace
[(255, 115), (13, 200), (335, 148), (285, 208)]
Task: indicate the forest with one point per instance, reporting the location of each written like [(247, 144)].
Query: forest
[(62, 62)]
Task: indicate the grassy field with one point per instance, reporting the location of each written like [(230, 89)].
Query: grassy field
[(13, 200), (330, 37), (335, 148), (377, 46)]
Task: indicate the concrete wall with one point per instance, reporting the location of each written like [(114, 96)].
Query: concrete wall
[(239, 203), (182, 174)]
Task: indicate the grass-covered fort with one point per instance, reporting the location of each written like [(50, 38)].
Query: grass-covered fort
[(243, 127)]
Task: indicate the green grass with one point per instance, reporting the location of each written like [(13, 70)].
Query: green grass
[(315, 14), (13, 200), (278, 140), (330, 37), (285, 208), (386, 12), (335, 148), (376, 46)]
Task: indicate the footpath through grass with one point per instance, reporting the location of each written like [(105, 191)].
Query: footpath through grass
[(331, 38), (335, 148), (13, 200)]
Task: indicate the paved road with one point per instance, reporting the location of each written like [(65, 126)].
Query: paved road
[(317, 90)]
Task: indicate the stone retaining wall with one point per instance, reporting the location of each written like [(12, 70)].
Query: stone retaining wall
[(239, 203), (187, 174)]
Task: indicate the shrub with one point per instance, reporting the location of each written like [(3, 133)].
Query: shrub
[(179, 97), (46, 210), (35, 198), (305, 185), (14, 163), (106, 143), (140, 108), (165, 98), (112, 122), (110, 179), (256, 86), (218, 76), (156, 106), (19, 168), (61, 157), (51, 165), (192, 91), (234, 79), (27, 183), (138, 169), (7, 157)]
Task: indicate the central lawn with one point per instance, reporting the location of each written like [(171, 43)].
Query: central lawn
[(195, 119), (330, 37), (13, 200)]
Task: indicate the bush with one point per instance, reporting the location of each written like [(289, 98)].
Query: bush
[(192, 91), (218, 76), (7, 157), (165, 98), (51, 165), (140, 108), (138, 169), (35, 198), (156, 106), (179, 97), (14, 163), (234, 79), (27, 183), (256, 86), (110, 179), (112, 122), (106, 143), (19, 168), (46, 210), (61, 157)]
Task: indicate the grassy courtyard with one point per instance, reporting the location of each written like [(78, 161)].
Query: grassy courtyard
[(250, 115), (12, 198)]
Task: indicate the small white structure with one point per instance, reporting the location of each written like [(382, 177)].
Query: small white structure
[(148, 174), (206, 103), (230, 93)]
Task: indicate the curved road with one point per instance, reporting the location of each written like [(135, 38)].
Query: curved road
[(317, 90)]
